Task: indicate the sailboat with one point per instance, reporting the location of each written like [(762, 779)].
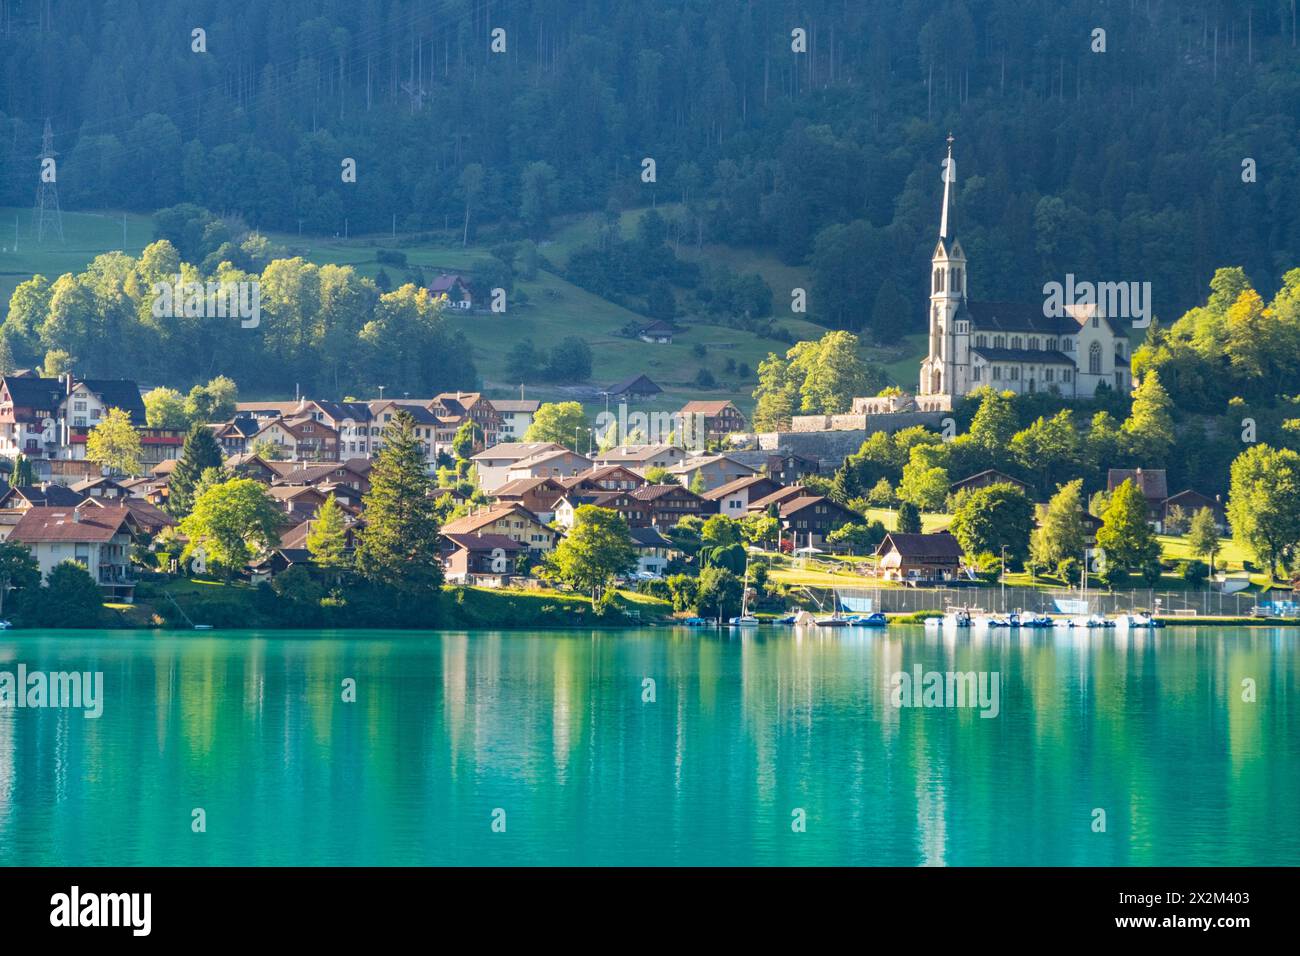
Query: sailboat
[(745, 619)]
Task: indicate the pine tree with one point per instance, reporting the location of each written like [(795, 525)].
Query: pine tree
[(199, 453), (398, 547), (327, 538)]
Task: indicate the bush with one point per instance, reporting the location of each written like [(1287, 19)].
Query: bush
[(1194, 571), (390, 257)]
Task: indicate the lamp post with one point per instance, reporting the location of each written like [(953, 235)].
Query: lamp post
[(1002, 573)]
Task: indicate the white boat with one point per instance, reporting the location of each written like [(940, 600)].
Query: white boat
[(1091, 621), (744, 620), (957, 618), (5, 625), (1138, 620)]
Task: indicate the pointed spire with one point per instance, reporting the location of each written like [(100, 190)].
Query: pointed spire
[(949, 175)]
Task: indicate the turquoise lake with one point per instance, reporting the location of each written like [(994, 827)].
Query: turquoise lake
[(745, 737)]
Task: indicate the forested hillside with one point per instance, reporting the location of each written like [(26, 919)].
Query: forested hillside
[(1124, 164)]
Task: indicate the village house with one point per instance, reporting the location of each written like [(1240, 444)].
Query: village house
[(1190, 502), (656, 333), (302, 438), (790, 469), (97, 537), (635, 388), (665, 505), (236, 436), (299, 502), (554, 463), (652, 552), (632, 510), (919, 558), (810, 518), (777, 498), (641, 458), (607, 478), (734, 497), (982, 479), (1150, 481), (51, 418), (483, 560), (516, 415), (509, 520), (494, 463), (721, 418), (456, 289), (710, 471), (537, 495), (428, 429), (44, 495)]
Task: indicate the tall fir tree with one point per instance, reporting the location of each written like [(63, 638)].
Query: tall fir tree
[(398, 547), (199, 453)]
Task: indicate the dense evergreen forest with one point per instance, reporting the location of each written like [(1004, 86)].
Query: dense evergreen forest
[(1124, 164)]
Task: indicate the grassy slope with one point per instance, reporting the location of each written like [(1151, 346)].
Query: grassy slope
[(556, 308)]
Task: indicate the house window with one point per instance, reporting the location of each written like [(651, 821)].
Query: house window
[(1047, 374), (1015, 373), (1065, 375), (997, 373), (1094, 359), (975, 373)]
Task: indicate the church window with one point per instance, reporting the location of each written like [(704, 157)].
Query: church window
[(1047, 374), (1119, 350), (1065, 375), (997, 373), (956, 280), (999, 341), (1015, 373), (1094, 359), (975, 372), (1067, 345), (981, 341), (1095, 320), (938, 280), (1033, 343), (1015, 341)]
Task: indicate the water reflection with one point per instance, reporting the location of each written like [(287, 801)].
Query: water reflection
[(744, 730)]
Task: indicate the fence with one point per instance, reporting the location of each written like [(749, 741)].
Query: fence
[(903, 600)]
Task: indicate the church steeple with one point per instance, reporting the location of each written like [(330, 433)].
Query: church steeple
[(949, 177)]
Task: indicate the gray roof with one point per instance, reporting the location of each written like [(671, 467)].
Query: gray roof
[(1039, 356)]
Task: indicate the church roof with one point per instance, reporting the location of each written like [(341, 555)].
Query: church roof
[(1017, 317), (1038, 356)]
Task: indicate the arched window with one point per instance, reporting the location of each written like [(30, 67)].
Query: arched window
[(956, 280), (938, 280), (1094, 359)]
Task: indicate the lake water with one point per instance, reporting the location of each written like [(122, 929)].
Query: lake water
[(549, 734)]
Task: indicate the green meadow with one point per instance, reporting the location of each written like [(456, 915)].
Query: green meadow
[(553, 310)]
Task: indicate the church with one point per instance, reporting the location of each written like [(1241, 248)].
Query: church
[(1009, 346)]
